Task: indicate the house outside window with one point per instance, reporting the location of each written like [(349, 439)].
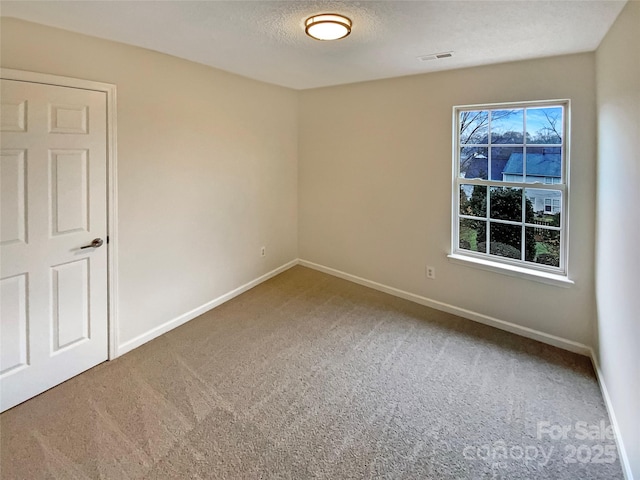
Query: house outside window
[(511, 186)]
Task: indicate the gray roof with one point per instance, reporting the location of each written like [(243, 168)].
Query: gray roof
[(538, 164)]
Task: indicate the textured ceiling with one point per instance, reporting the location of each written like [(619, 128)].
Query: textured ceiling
[(265, 40)]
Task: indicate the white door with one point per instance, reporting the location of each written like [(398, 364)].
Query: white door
[(53, 292)]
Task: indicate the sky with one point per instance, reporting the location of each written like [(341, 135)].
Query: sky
[(536, 120)]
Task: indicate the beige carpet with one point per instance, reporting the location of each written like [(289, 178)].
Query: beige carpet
[(308, 376)]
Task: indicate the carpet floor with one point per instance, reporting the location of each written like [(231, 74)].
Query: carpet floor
[(308, 376)]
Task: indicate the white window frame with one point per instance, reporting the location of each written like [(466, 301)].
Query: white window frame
[(520, 268)]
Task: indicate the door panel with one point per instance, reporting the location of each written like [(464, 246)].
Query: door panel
[(54, 201), (68, 119), (70, 313), (69, 190), (13, 342), (14, 116), (12, 197)]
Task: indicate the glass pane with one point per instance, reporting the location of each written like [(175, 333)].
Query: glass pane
[(474, 162), (506, 203), (474, 127), (507, 126), (543, 246), (506, 164), (544, 165), (544, 207), (544, 125), (505, 240), (473, 200), (473, 235)]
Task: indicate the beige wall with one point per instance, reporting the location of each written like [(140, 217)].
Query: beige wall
[(375, 187), (207, 170), (210, 165), (618, 229), (208, 173)]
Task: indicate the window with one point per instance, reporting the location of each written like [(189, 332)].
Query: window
[(510, 184), (551, 205), (547, 205)]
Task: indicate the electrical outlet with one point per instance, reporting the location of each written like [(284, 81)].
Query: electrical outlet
[(263, 251), (431, 272)]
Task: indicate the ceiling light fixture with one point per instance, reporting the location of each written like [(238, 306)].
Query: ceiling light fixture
[(327, 26)]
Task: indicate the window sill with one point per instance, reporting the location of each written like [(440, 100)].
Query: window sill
[(511, 270)]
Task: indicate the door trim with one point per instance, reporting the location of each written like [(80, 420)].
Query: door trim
[(112, 182)]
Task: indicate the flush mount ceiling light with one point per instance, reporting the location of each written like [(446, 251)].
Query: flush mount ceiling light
[(327, 26)]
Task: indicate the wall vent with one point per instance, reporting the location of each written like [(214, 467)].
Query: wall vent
[(435, 56)]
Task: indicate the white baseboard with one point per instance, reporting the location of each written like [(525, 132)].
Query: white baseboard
[(624, 459), (461, 312), (184, 318)]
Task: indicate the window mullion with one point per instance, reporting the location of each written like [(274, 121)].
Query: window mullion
[(524, 148), (489, 146), (487, 222), (523, 237), (497, 183), (506, 222)]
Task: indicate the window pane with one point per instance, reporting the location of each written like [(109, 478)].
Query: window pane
[(506, 203), (505, 240), (473, 200), (474, 162), (473, 235), (507, 126), (474, 127), (544, 165), (546, 206), (544, 125), (545, 245), (506, 164)]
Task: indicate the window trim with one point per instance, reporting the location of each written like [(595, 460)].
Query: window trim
[(520, 268), (511, 270)]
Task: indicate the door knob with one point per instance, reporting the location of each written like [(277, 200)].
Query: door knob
[(95, 243)]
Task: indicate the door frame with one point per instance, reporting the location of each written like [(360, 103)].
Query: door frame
[(112, 182)]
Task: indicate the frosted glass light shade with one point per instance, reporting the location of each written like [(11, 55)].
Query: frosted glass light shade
[(327, 26)]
